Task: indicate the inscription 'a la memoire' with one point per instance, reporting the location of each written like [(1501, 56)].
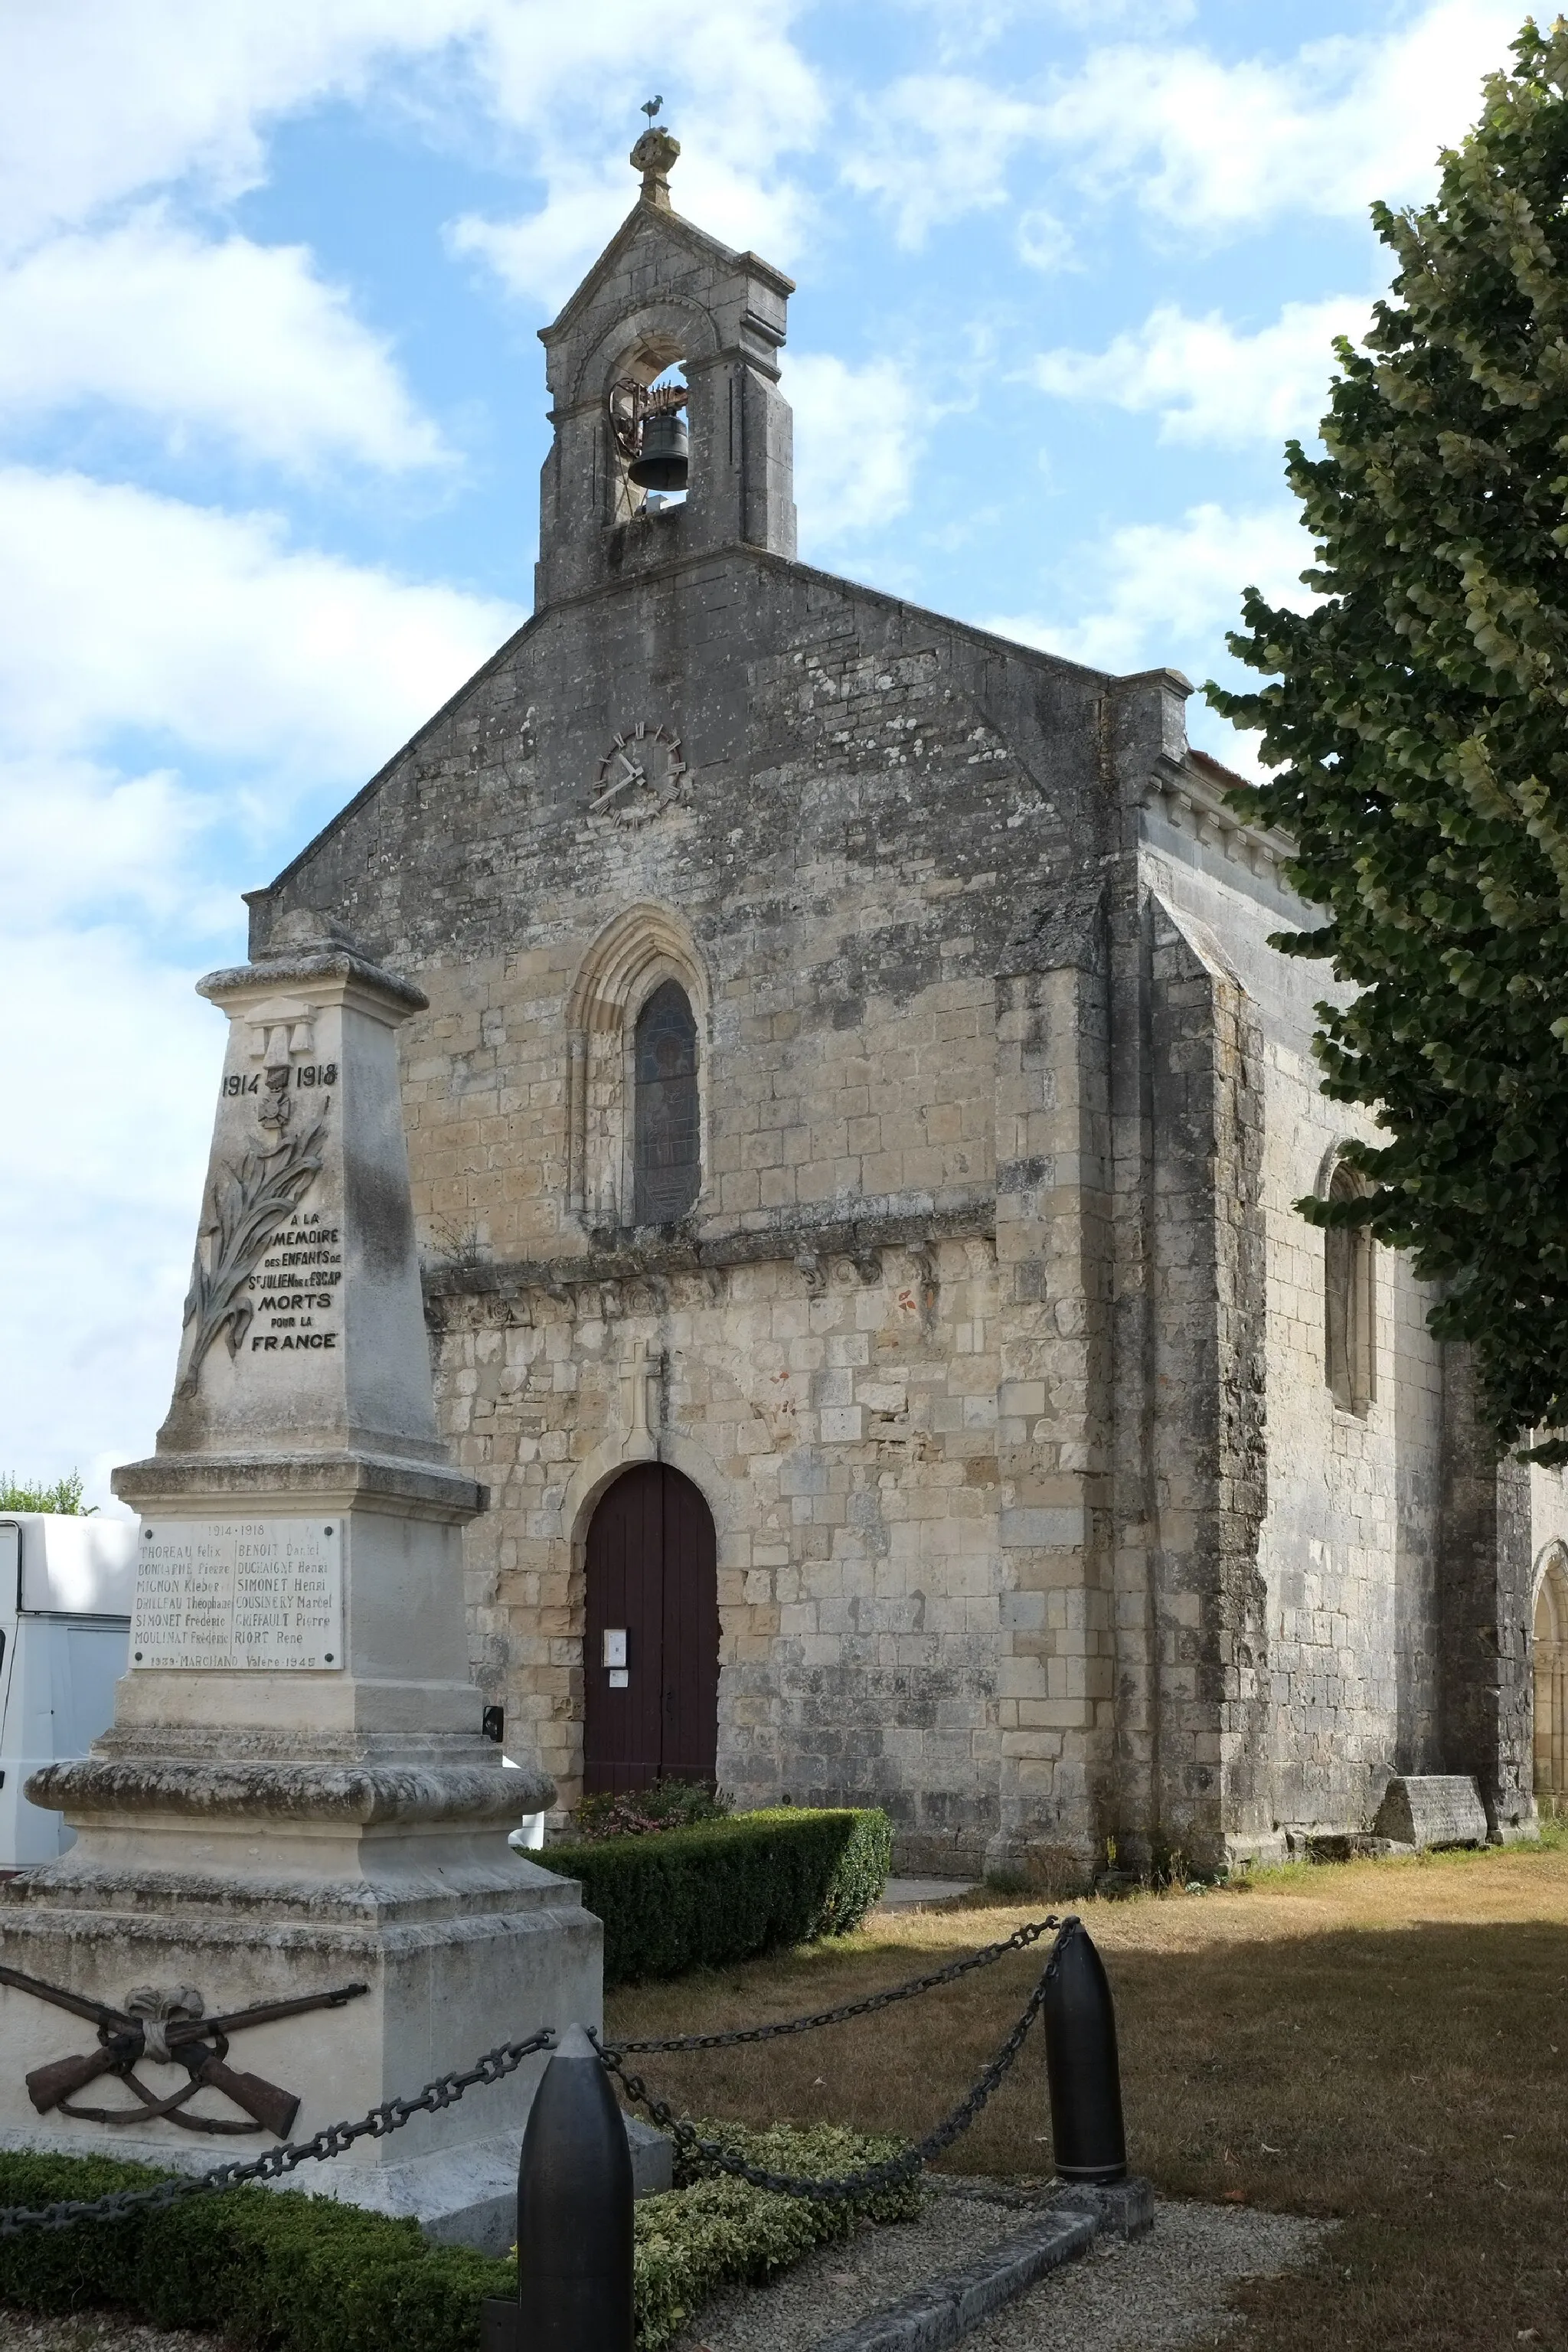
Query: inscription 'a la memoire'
[(296, 1289)]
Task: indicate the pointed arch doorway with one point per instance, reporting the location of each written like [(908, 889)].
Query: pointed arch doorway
[(651, 1652)]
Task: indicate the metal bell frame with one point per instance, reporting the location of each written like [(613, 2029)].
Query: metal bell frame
[(650, 433)]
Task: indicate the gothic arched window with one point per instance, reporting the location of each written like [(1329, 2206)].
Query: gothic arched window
[(1348, 1296), (667, 1147), (1551, 1631)]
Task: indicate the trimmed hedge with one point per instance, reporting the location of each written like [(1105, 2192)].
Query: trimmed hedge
[(257, 2266), (727, 1890), (297, 2274)]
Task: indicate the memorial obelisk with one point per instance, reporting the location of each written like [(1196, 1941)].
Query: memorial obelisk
[(295, 1794)]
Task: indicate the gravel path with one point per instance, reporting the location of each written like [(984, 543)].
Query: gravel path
[(1170, 2287), (840, 2283)]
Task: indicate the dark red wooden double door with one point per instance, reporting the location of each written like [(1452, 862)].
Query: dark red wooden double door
[(651, 1699)]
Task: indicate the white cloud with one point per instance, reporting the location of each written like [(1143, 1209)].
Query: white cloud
[(1168, 592), (100, 99), (934, 146), (1043, 242), (80, 838), (98, 1191), (1215, 146), (233, 338), (1206, 381), (120, 610), (964, 26), (748, 99), (859, 435), (541, 256), (1148, 17)]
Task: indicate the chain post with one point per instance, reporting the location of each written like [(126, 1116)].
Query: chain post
[(1081, 2054), (575, 2210)]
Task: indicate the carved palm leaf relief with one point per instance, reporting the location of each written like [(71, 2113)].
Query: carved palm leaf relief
[(248, 1204)]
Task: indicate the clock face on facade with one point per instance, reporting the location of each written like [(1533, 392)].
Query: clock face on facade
[(639, 776)]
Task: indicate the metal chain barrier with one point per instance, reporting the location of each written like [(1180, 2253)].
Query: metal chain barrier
[(1019, 1941), (276, 2163), (867, 2182)]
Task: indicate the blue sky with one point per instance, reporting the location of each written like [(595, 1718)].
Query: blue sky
[(272, 409)]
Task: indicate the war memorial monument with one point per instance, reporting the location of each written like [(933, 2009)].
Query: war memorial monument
[(296, 1798)]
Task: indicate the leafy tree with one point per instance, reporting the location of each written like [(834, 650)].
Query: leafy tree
[(1417, 726), (64, 1496)]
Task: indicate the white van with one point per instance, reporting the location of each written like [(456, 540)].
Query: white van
[(67, 1586)]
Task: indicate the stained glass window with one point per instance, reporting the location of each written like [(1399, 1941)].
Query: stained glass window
[(667, 1128)]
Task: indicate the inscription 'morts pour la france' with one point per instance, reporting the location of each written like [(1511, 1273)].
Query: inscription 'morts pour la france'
[(295, 1292), (239, 1595)]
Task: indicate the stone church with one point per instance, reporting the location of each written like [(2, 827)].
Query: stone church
[(855, 1133)]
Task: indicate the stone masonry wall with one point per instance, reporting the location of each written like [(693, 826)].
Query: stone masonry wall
[(879, 824), (844, 1434), (875, 810)]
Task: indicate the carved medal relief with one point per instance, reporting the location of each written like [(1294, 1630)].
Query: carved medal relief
[(640, 776), (269, 1262)]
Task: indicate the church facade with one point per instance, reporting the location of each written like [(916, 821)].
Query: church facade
[(854, 1132)]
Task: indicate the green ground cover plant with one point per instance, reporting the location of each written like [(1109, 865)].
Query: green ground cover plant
[(287, 2272), (724, 1891), (718, 2232)]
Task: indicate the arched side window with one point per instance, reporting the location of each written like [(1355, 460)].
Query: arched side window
[(1349, 1304), (667, 1124), (635, 1083), (1549, 1631)]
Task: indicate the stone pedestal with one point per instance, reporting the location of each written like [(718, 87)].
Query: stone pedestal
[(295, 1794)]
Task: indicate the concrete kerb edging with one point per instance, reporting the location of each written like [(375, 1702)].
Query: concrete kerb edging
[(944, 2309)]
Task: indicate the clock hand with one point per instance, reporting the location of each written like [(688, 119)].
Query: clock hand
[(635, 774)]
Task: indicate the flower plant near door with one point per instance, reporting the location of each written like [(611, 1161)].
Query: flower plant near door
[(641, 1812)]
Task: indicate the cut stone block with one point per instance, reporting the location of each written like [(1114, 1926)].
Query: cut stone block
[(1432, 1809)]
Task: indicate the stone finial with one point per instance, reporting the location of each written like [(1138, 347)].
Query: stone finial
[(654, 156)]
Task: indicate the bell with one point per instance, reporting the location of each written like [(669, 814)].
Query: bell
[(661, 463)]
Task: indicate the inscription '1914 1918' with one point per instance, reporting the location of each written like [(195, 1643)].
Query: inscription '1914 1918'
[(306, 1074)]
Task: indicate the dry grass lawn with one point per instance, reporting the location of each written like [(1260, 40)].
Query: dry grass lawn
[(1387, 2043)]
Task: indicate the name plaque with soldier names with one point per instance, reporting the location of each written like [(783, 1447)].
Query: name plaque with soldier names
[(239, 1596)]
